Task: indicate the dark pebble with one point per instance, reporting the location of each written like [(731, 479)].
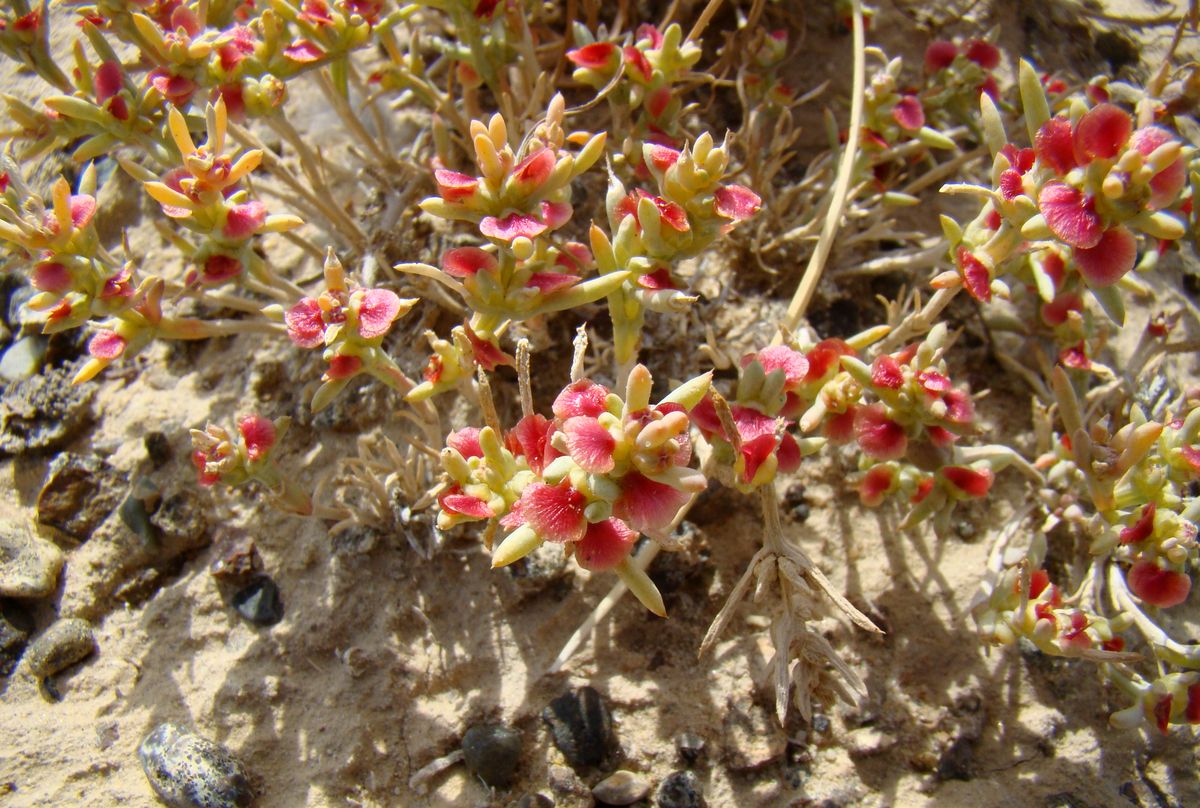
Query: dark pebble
[(534, 801), (15, 628), (820, 724), (690, 747), (801, 512), (955, 762), (187, 771), (237, 558), (492, 752), (680, 790), (158, 448), (79, 493), (581, 725), (259, 602), (60, 646)]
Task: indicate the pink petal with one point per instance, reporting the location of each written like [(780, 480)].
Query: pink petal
[(548, 282), (1167, 183), (649, 33), (839, 427), (940, 436), (343, 366), (754, 453), (879, 436), (107, 345), (454, 186), (794, 365), (1056, 311), (984, 54), (581, 398), (972, 482), (220, 268), (486, 353), (933, 382), (1020, 160), (662, 157), (647, 506), (605, 545), (1055, 145), (511, 226), (1142, 529), (875, 484), (464, 504), (1157, 586), (975, 275), (751, 423), (108, 80), (51, 276), (555, 512), (303, 51), (466, 442), (258, 434), (530, 439), (1102, 132), (463, 262), (305, 326), (939, 55), (530, 173), (83, 208), (1114, 254), (556, 214), (735, 202), (788, 454), (1011, 185), (597, 56), (590, 444), (657, 280), (1070, 215), (639, 65), (887, 373), (377, 311), (243, 220), (909, 113), (117, 285), (176, 89), (960, 409), (657, 101), (824, 357)]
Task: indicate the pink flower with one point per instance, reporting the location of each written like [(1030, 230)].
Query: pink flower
[(1102, 132), (530, 173), (1110, 259), (972, 482), (511, 226), (875, 485), (732, 202), (303, 52), (1054, 145), (177, 90), (343, 366), (1142, 529), (454, 186), (581, 398), (530, 439), (305, 326), (939, 55), (220, 268), (794, 365), (1157, 586), (117, 285), (887, 373), (554, 512), (1166, 184), (107, 345), (466, 442), (377, 310), (453, 500), (464, 262), (51, 276), (879, 436), (244, 220), (639, 65), (486, 353), (909, 113), (1070, 215), (647, 506), (605, 545), (590, 444), (984, 54), (600, 56), (258, 433), (975, 275)]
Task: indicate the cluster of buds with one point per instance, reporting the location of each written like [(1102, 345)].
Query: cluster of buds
[(204, 194), (602, 471), (959, 74), (763, 84), (693, 207), (1062, 215), (25, 38), (648, 70), (1173, 698), (235, 460), (894, 115), (350, 323)]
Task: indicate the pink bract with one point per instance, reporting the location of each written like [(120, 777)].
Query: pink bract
[(377, 311), (243, 220), (605, 545), (454, 186), (530, 173), (466, 442), (530, 438), (343, 366), (108, 81), (794, 365), (1142, 529), (305, 326), (939, 55), (51, 276), (1166, 184), (511, 226), (887, 373), (1157, 586), (879, 436), (549, 282), (463, 262), (596, 56), (638, 64), (303, 51), (590, 444), (984, 54), (972, 482), (647, 506), (975, 275), (581, 398), (733, 202), (875, 484), (1102, 132), (1113, 255), (1054, 145), (909, 113), (107, 345), (259, 435), (1070, 215), (662, 157), (454, 501), (220, 268), (555, 512)]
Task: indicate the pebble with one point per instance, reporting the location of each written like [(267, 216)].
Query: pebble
[(60, 646), (188, 771), (868, 742), (29, 565), (680, 790), (259, 602), (690, 747), (44, 412), (492, 752), (135, 510), (621, 788), (79, 493), (23, 358), (236, 557), (15, 626), (581, 725), (955, 761), (534, 801), (158, 448)]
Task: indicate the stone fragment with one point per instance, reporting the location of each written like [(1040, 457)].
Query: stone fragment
[(29, 565), (188, 771), (581, 726), (59, 647), (79, 493), (621, 788), (492, 752)]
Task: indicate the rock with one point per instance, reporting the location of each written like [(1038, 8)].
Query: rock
[(563, 780), (868, 741), (29, 565), (182, 517), (60, 646), (820, 724), (79, 493), (534, 801), (15, 626), (135, 511), (690, 747), (621, 788), (158, 448), (23, 358), (44, 412), (492, 752), (187, 771), (237, 558), (582, 726), (955, 762), (752, 738), (259, 602), (680, 790)]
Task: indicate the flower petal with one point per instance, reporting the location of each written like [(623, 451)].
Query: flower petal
[(1055, 145), (466, 442), (605, 545), (887, 373), (1102, 132), (530, 439), (1157, 586), (1070, 215), (463, 262), (1113, 255), (646, 505), (972, 482), (581, 398), (243, 220), (984, 54), (732, 202), (590, 444), (511, 226), (596, 56), (879, 436), (454, 186), (939, 55), (107, 345), (909, 113), (305, 326), (795, 365), (258, 433), (875, 485), (555, 512), (377, 311)]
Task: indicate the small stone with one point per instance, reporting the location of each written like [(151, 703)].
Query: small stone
[(188, 771), (259, 602), (158, 448), (29, 565), (534, 801), (621, 788), (690, 747), (79, 493), (182, 516), (23, 358), (680, 790), (868, 742), (492, 752), (582, 726), (107, 734), (820, 724), (59, 647), (955, 762), (134, 514), (15, 626), (44, 412), (237, 557)]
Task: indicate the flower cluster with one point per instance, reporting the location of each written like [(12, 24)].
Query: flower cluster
[(959, 73), (602, 471), (764, 84), (235, 460)]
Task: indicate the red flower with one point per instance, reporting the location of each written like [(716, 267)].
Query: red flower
[(1102, 132), (1110, 259), (377, 310), (972, 482), (530, 439), (647, 506), (909, 113), (175, 89), (1166, 184), (466, 442), (984, 54), (1070, 215), (795, 365), (453, 500), (454, 186), (258, 433), (554, 512), (485, 353), (879, 436), (305, 325), (887, 373), (513, 226), (343, 366), (590, 444), (939, 55), (530, 173), (1142, 529), (875, 484), (605, 545), (1157, 586), (976, 277), (638, 64), (1054, 145), (597, 56), (824, 358), (107, 345), (244, 220), (581, 398), (732, 202), (662, 157)]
